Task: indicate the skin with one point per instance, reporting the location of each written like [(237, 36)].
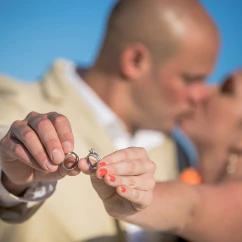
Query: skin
[(174, 81), (198, 215), (156, 91), (126, 179), (176, 87), (218, 139), (219, 197)]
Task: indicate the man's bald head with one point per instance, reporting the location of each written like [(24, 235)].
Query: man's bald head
[(159, 24), (155, 57)]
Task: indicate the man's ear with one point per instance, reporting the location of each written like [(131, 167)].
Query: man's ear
[(135, 61)]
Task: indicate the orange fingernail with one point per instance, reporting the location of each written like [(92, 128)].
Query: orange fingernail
[(103, 172), (123, 189), (112, 178), (102, 164)]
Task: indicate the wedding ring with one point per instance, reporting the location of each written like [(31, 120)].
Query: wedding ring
[(92, 153), (74, 165)]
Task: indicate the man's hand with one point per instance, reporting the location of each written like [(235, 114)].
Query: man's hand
[(33, 150), (123, 180)]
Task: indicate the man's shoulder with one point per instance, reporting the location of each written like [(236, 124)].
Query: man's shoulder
[(9, 83), (10, 86)]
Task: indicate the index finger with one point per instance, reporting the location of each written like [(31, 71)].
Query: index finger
[(63, 130), (130, 153)]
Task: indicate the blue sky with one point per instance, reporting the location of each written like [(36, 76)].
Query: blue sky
[(34, 33)]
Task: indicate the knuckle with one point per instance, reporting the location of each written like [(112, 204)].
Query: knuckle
[(28, 134), (114, 169), (41, 124), (52, 114), (132, 167), (137, 195), (141, 151), (131, 183), (4, 144), (18, 150), (16, 124), (59, 119), (125, 153), (51, 142), (152, 166), (31, 115), (66, 137), (40, 156), (4, 141)]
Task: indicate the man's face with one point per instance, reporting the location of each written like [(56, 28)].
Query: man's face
[(176, 87), (220, 118), (216, 131)]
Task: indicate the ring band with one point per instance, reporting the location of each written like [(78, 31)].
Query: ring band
[(72, 167), (92, 153)]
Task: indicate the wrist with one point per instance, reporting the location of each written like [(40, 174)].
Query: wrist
[(17, 190)]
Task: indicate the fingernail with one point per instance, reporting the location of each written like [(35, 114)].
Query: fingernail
[(102, 164), (112, 178), (50, 165), (103, 172), (123, 189), (57, 156), (67, 147)]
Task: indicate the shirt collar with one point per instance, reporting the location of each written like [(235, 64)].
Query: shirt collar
[(148, 139)]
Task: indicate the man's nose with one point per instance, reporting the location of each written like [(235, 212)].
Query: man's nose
[(201, 93)]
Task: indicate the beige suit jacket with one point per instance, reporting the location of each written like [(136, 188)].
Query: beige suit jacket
[(74, 212)]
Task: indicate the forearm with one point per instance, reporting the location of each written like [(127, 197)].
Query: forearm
[(205, 213), (218, 214), (171, 208)]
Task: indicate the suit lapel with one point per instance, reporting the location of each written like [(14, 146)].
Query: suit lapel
[(58, 90)]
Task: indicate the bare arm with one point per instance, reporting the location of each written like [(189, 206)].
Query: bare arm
[(172, 205), (217, 216), (205, 213)]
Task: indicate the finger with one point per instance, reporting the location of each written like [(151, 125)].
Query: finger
[(125, 154), (127, 168), (55, 176), (139, 199), (25, 135), (85, 168), (59, 174), (15, 150), (63, 130), (63, 172), (144, 182), (48, 137)]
